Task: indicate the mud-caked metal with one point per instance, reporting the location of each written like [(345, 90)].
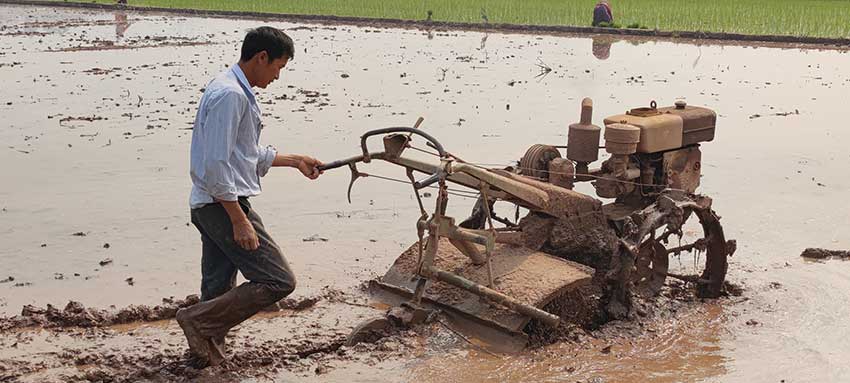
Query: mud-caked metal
[(503, 279)]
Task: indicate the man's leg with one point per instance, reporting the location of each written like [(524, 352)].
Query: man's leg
[(269, 276), (218, 276)]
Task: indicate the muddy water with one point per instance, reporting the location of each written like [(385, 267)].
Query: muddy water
[(96, 107), (687, 351)]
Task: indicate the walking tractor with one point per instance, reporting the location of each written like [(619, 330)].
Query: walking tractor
[(495, 278)]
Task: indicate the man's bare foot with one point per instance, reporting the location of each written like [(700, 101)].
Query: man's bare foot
[(199, 346)]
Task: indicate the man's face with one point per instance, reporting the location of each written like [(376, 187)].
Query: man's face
[(269, 70)]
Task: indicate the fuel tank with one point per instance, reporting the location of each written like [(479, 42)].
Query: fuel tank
[(669, 128)]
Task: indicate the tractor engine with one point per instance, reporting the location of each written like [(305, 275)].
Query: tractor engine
[(653, 156), (651, 149)]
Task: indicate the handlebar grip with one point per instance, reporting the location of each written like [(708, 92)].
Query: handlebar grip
[(427, 182), (333, 165)]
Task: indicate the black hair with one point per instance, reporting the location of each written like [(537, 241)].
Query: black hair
[(272, 40)]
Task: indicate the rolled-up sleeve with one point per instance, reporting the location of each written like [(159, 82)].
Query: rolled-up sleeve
[(222, 126), (266, 159)]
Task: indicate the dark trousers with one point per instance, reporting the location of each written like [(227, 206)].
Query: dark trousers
[(269, 277)]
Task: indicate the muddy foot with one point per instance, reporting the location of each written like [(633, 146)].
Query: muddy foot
[(199, 346), (217, 350)]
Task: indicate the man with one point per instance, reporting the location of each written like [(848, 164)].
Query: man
[(226, 165), (602, 14)]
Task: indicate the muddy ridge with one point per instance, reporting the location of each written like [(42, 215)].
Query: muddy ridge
[(314, 352), (154, 358), (427, 24), (817, 253), (75, 314)]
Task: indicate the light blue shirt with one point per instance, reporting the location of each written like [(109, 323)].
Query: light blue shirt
[(227, 160)]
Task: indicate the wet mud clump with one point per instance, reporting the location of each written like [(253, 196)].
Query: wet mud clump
[(611, 304), (816, 253), (579, 316), (76, 315), (586, 239), (90, 350)]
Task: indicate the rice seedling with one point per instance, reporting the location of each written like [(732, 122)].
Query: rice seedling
[(815, 18)]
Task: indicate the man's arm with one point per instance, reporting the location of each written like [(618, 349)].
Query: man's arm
[(308, 166), (243, 231)]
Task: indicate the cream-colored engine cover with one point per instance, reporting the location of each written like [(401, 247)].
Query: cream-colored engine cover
[(657, 133)]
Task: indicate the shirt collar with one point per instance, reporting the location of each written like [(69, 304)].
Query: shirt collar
[(243, 82)]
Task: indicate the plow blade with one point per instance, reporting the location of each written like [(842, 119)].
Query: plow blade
[(530, 277)]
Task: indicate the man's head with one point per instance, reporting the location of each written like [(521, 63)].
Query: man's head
[(265, 51)]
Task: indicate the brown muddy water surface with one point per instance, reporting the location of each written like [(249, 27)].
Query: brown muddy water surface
[(97, 108)]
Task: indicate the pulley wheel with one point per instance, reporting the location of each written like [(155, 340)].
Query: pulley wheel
[(535, 162)]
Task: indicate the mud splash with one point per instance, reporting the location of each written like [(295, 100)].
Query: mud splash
[(678, 341)]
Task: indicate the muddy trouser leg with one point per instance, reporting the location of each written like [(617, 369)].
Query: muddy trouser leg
[(269, 276), (218, 276)]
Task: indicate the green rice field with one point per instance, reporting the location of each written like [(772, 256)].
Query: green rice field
[(813, 18)]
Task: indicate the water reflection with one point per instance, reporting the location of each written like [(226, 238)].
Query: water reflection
[(602, 47), (121, 24)]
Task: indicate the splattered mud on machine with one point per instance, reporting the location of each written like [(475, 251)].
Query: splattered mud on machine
[(497, 282)]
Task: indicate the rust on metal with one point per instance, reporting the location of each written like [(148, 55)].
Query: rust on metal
[(530, 277), (505, 277)]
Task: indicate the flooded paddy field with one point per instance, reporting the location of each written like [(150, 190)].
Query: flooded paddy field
[(97, 110)]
